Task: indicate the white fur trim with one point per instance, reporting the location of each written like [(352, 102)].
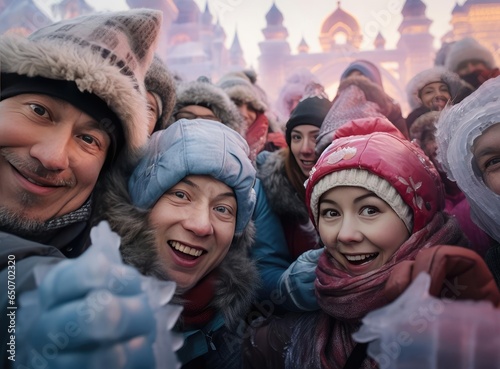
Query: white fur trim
[(468, 49), (436, 74)]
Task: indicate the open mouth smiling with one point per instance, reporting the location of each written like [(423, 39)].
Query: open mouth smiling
[(186, 250), (360, 259)]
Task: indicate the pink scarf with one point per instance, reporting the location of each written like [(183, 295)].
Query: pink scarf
[(346, 299), (256, 135)]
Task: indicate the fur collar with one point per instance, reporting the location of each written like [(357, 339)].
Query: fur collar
[(282, 197)]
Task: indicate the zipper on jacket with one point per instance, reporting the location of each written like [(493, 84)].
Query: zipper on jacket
[(209, 336)]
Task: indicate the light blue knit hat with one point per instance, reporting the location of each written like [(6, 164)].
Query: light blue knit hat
[(195, 147)]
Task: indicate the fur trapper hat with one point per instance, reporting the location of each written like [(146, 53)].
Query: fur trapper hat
[(468, 49), (240, 86), (203, 93), (435, 74), (160, 82), (104, 54)]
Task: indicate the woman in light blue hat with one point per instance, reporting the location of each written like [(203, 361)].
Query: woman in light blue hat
[(185, 215)]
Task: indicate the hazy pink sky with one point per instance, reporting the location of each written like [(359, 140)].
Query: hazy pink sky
[(305, 17)]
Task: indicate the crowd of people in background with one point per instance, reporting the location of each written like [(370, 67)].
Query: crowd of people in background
[(282, 223)]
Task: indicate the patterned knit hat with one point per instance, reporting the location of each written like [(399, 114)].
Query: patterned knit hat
[(391, 167), (349, 105), (103, 54), (468, 49), (160, 83)]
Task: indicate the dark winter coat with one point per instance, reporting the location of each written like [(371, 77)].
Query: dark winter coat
[(68, 241), (285, 202)]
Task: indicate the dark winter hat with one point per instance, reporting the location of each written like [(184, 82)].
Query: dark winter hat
[(203, 93), (104, 54), (14, 84), (182, 150), (160, 82), (366, 68), (468, 49), (311, 110)]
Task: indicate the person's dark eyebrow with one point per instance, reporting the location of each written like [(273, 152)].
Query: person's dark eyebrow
[(356, 200)]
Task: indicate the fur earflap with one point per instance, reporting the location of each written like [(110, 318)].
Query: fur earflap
[(160, 81)]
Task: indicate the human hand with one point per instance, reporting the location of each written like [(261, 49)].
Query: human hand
[(297, 282)]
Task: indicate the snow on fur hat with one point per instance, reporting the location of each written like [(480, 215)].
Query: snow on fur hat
[(240, 86), (392, 167), (435, 74), (105, 54), (468, 49), (195, 147), (366, 68), (203, 93), (160, 82)]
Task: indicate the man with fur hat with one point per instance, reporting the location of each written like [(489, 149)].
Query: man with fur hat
[(473, 62), (185, 214), (203, 99), (252, 103), (72, 100)]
